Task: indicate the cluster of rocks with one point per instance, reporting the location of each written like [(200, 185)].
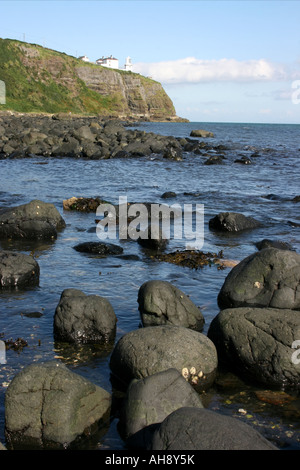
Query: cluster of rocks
[(64, 135), (162, 367), (78, 137), (259, 323)]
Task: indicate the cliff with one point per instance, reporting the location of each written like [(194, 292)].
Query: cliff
[(46, 81)]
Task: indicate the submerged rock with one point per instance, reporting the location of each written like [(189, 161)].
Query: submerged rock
[(268, 278), (18, 270), (201, 133), (82, 318), (47, 405), (191, 428), (214, 160), (153, 238), (82, 204), (168, 195), (161, 303), (99, 248), (147, 351), (232, 222), (258, 343)]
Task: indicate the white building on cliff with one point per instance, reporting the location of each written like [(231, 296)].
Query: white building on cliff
[(84, 58), (110, 62)]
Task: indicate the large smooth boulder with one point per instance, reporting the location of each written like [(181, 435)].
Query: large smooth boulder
[(162, 303), (232, 222), (202, 429), (36, 220), (150, 400), (258, 344), (47, 405), (82, 318), (146, 351), (268, 278), (18, 270)]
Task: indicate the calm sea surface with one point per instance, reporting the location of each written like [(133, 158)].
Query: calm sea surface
[(263, 190)]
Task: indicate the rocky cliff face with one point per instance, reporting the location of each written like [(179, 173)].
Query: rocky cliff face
[(137, 95), (43, 80)]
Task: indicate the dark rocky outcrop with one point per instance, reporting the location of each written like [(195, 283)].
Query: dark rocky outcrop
[(18, 270), (150, 400), (47, 405), (147, 351), (258, 344), (89, 138), (268, 278), (82, 318), (36, 220), (191, 428), (232, 222), (161, 303)]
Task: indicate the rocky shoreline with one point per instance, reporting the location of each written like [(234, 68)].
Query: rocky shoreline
[(63, 135), (90, 137), (164, 367)]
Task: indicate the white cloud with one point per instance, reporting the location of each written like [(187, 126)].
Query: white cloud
[(192, 70)]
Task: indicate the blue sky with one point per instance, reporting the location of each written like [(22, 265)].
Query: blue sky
[(218, 60)]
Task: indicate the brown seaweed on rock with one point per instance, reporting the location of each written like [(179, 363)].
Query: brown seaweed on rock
[(192, 258)]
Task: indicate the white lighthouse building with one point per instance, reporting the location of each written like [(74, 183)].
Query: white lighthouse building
[(128, 64)]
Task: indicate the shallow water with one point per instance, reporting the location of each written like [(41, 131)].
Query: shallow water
[(263, 190)]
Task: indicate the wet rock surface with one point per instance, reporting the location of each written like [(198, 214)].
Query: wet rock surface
[(232, 222), (82, 318), (147, 351), (18, 270), (161, 303), (47, 405), (258, 344), (268, 278), (99, 248), (35, 220), (150, 400), (201, 429)]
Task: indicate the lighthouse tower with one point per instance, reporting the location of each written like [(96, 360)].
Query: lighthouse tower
[(128, 64)]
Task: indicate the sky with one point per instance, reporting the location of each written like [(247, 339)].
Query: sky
[(218, 60)]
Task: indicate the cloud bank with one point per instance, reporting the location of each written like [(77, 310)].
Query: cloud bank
[(192, 70)]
